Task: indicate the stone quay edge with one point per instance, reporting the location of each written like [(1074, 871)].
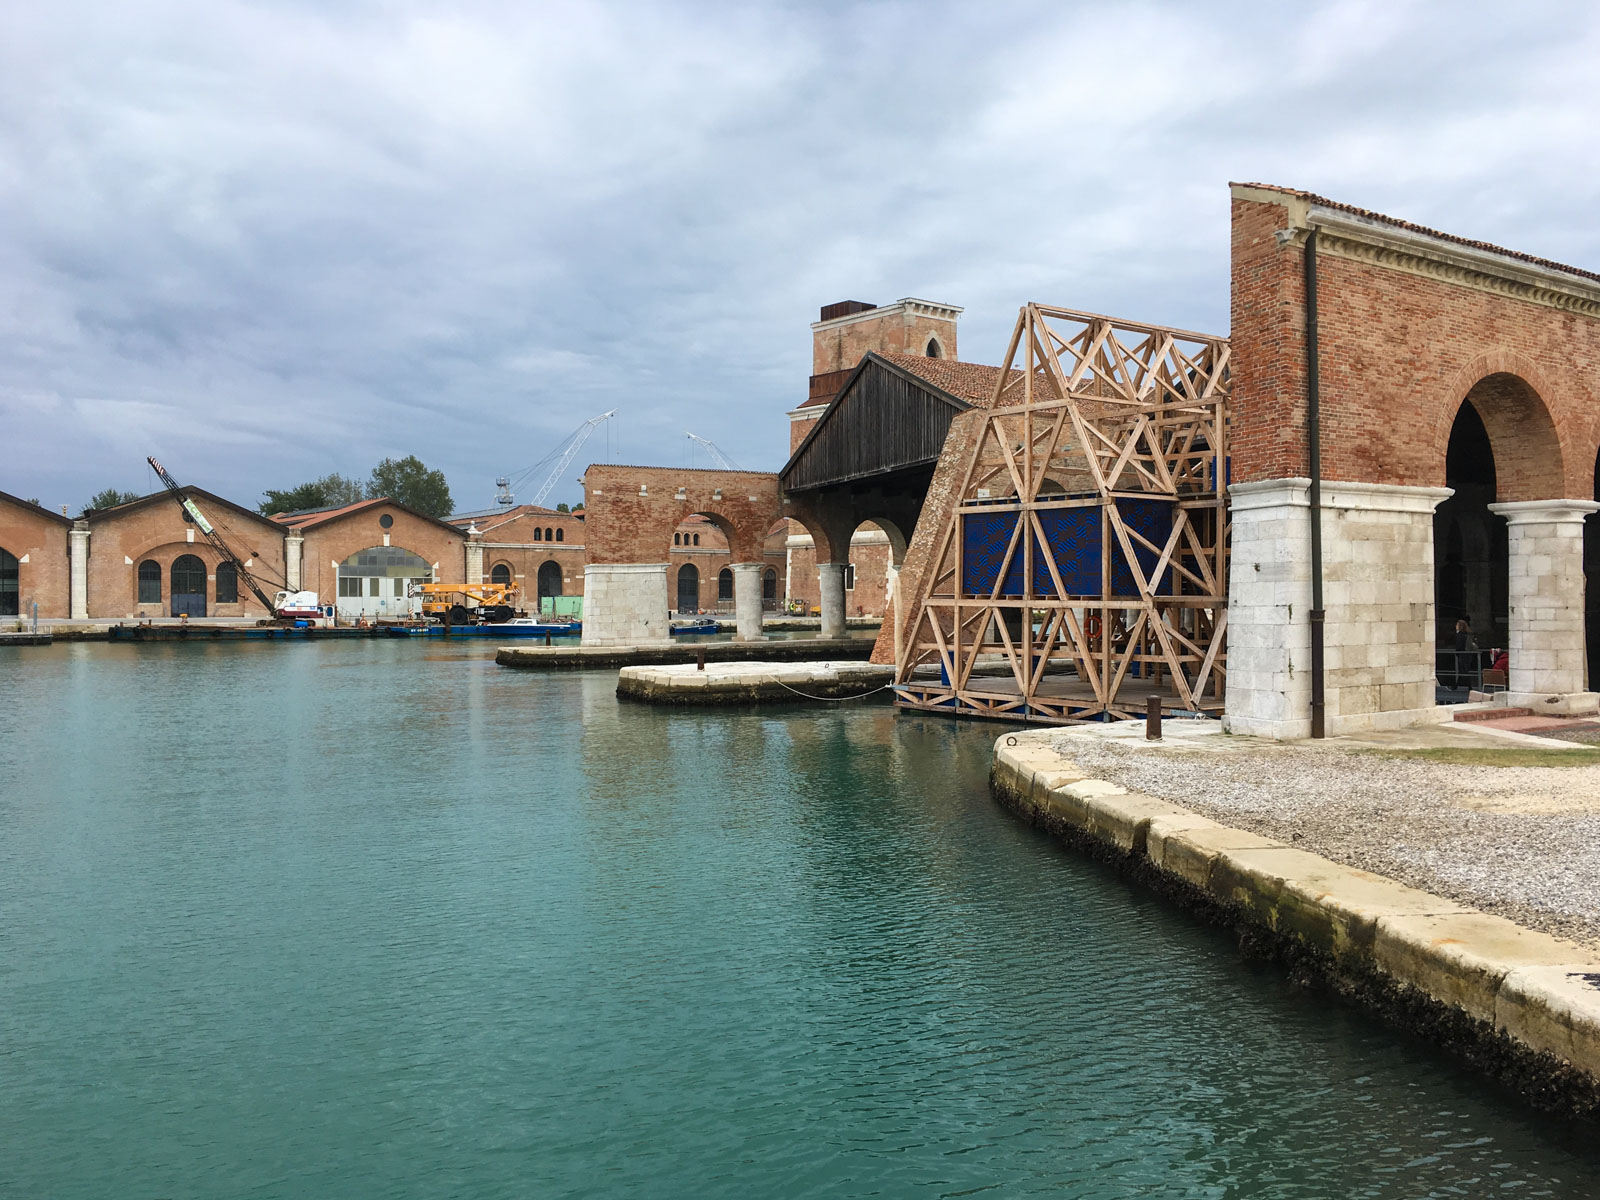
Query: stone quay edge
[(1520, 1005)]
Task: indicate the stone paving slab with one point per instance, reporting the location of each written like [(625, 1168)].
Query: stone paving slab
[(1537, 993)]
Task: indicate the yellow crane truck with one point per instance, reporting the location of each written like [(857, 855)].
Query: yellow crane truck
[(467, 603)]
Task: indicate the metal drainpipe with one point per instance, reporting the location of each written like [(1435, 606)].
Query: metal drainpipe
[(1314, 437)]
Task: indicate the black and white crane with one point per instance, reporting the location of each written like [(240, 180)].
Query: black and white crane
[(284, 604)]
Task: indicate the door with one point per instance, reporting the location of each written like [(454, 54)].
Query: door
[(688, 588), (188, 589)]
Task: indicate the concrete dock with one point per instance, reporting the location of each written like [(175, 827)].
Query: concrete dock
[(754, 682), (1517, 1003), (777, 650)]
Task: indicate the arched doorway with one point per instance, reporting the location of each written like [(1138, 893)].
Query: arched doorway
[(1471, 552), (688, 588), (10, 585), (374, 582), (549, 582), (769, 590), (501, 574), (187, 586), (725, 589)]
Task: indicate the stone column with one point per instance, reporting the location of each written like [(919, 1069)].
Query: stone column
[(1546, 601), (830, 585), (747, 602), (474, 555), (1377, 593), (78, 557), (625, 604), (293, 552)]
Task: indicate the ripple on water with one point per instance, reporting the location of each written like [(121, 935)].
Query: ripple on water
[(364, 918)]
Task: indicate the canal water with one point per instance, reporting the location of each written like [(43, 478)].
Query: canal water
[(382, 919)]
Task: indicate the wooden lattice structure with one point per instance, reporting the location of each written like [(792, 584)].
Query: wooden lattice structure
[(1087, 549)]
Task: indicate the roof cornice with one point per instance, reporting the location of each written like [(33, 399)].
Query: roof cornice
[(1399, 246)]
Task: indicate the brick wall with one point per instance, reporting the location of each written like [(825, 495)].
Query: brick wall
[(630, 513), (839, 346), (1399, 351), (40, 537)]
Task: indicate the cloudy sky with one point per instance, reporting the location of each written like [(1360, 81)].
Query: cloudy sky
[(268, 241)]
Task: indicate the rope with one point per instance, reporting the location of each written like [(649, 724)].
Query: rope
[(833, 699)]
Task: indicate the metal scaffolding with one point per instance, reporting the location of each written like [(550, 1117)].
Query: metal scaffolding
[(1083, 566)]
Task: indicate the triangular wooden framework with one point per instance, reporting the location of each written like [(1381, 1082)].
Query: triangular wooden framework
[(1089, 413)]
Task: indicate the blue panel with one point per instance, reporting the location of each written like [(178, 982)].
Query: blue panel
[(1152, 519), (984, 538), (1073, 535)]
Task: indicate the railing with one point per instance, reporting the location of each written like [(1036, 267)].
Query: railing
[(1460, 669)]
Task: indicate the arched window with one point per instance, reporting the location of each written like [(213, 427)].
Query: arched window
[(501, 574), (675, 538), (561, 535), (149, 582), (933, 349), (187, 586), (769, 584), (549, 534), (697, 539), (725, 584), (227, 583), (688, 588), (10, 585), (538, 534)]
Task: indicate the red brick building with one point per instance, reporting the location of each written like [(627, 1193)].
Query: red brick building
[(1457, 386), (147, 559), (33, 559)]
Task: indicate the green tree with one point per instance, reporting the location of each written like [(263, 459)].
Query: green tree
[(327, 492), (109, 498), (562, 507), (410, 483)]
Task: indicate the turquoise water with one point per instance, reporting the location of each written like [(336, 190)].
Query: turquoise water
[(381, 919)]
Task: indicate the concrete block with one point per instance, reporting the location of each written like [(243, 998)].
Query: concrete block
[(1555, 1009), (1187, 846), (1461, 958)]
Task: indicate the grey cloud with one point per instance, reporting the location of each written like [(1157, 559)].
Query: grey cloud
[(269, 242)]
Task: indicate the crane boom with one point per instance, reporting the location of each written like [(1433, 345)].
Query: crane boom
[(578, 439), (218, 543), (562, 456), (715, 453)]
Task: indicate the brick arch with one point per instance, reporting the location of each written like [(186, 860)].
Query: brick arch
[(632, 512), (1515, 400)]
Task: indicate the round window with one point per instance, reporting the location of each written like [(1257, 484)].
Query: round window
[(386, 520)]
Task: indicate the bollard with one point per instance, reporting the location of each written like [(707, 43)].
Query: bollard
[(699, 658), (1152, 719), (547, 637)]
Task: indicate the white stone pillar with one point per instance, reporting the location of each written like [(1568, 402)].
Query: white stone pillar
[(78, 577), (1546, 642), (1377, 594), (830, 586), (293, 552), (747, 602), (625, 604), (474, 555)]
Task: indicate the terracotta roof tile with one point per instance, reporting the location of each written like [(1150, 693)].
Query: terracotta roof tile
[(1369, 215)]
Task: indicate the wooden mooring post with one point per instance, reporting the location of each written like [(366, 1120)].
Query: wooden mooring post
[(1152, 719)]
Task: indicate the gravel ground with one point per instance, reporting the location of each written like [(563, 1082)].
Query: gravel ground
[(1522, 842)]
